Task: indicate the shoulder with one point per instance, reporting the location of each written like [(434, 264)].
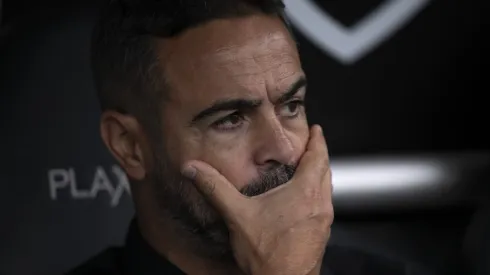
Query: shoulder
[(104, 263), (339, 260)]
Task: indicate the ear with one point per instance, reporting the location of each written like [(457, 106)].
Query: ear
[(124, 137)]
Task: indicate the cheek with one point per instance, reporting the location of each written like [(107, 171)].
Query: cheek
[(298, 134), (229, 156), (232, 159), (182, 145), (299, 142)]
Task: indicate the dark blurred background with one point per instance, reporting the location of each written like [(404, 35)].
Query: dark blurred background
[(403, 104)]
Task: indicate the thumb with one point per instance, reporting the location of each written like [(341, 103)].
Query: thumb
[(215, 188)]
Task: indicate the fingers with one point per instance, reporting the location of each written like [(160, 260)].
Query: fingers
[(328, 192), (214, 187), (315, 161), (317, 141), (327, 184)]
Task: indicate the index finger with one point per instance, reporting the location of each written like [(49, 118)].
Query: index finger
[(215, 188)]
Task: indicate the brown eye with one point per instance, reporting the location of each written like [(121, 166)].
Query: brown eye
[(230, 122), (291, 109)]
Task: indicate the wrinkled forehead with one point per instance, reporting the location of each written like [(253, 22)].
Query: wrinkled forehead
[(258, 56), (255, 46), (231, 56)]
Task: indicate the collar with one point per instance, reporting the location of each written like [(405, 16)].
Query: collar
[(140, 258)]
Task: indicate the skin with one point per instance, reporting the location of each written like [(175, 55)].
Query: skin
[(251, 59)]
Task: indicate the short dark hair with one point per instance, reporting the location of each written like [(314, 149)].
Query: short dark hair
[(124, 64)]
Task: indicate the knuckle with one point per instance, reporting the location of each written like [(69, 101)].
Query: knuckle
[(329, 171), (209, 186), (327, 180), (322, 219), (329, 209), (326, 217), (320, 166), (326, 224), (325, 163), (311, 192)]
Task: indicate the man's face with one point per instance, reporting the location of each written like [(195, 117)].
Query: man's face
[(235, 102)]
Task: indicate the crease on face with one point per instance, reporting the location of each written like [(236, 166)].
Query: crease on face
[(262, 61), (271, 50)]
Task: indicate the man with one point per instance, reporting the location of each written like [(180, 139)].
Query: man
[(203, 107)]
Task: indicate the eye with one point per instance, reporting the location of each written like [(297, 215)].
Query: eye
[(291, 109), (230, 122)]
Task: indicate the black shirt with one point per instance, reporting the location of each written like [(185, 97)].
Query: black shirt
[(137, 257)]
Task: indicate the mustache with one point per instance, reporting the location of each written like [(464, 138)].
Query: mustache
[(269, 180), (215, 233)]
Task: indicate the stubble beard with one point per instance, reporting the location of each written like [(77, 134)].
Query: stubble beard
[(200, 224)]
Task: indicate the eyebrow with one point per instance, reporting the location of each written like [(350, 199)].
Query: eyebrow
[(292, 91), (247, 104)]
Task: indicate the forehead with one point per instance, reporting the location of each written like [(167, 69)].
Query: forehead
[(230, 57)]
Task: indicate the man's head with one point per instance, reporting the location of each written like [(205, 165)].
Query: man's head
[(218, 81)]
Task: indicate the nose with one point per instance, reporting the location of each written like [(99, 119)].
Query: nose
[(274, 144)]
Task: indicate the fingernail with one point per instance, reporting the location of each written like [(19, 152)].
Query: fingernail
[(321, 129), (189, 172)]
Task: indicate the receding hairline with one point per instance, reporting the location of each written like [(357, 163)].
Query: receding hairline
[(129, 71), (225, 48)]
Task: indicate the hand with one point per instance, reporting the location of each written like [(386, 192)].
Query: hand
[(285, 230)]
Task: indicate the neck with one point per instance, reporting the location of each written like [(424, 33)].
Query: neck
[(174, 244)]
